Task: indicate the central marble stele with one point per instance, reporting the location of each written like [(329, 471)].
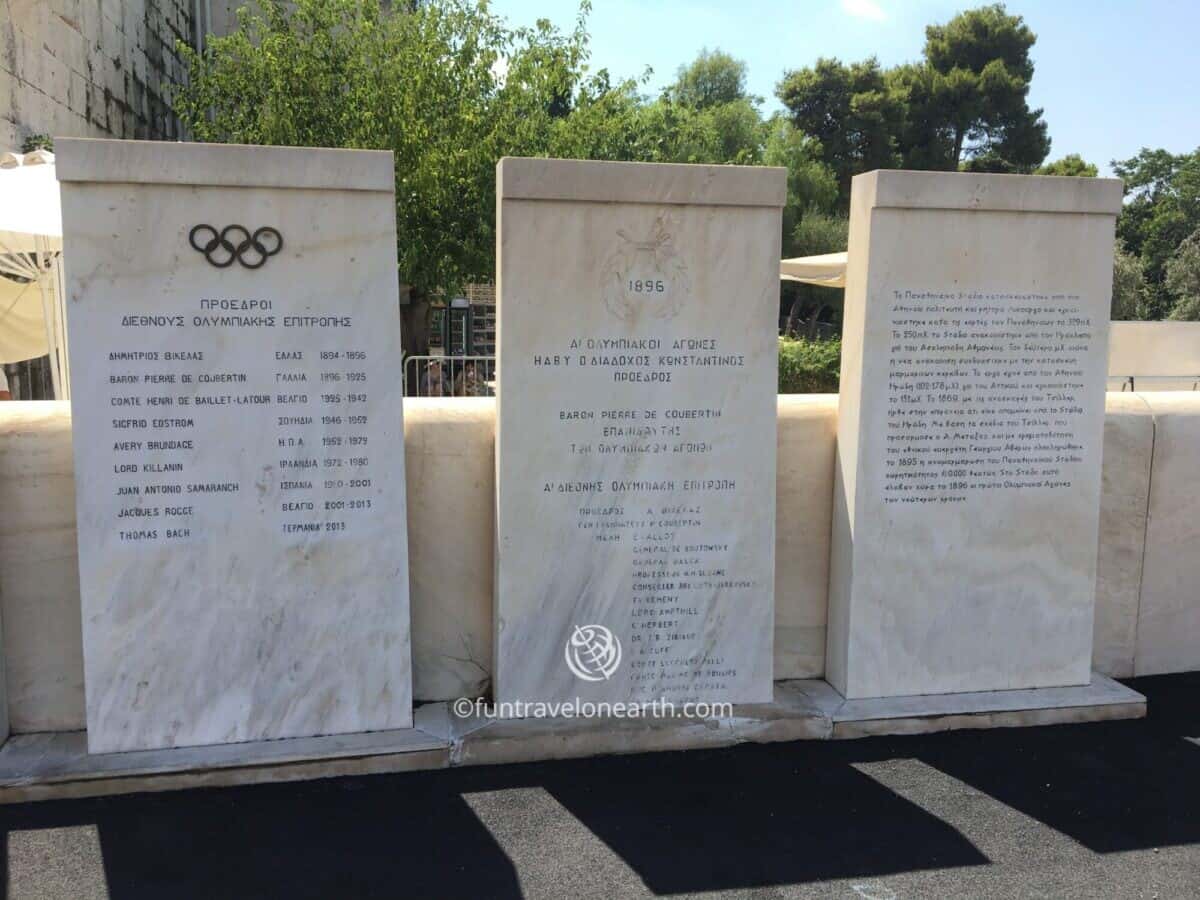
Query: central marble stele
[(636, 438)]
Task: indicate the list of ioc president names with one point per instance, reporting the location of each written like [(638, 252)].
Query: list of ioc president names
[(668, 512), (984, 393), (241, 406)]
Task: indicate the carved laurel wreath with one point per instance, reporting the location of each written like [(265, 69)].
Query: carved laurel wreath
[(654, 258)]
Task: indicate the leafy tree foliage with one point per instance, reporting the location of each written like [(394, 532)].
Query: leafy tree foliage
[(1183, 279), (450, 88), (981, 73), (812, 187), (964, 105), (820, 232), (809, 367), (713, 78), (425, 85), (849, 110), (1071, 165), (1129, 285), (1162, 208)]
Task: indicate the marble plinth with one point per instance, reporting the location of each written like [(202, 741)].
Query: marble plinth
[(239, 446), (636, 431), (58, 766), (970, 432), (1100, 700)]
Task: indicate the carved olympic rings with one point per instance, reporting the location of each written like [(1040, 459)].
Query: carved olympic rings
[(235, 243)]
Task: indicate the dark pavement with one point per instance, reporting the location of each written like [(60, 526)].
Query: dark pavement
[(1104, 810)]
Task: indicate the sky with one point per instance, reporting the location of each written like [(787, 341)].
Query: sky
[(1113, 76)]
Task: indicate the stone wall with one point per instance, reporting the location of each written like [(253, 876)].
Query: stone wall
[(1158, 356), (1147, 600), (90, 68)]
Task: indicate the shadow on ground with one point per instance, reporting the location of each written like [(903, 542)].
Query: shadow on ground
[(1112, 786), (745, 817)]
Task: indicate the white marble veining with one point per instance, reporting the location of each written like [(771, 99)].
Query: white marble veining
[(636, 432), (248, 578), (970, 433)]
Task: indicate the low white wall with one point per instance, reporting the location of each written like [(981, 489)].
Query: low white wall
[(1161, 356), (1124, 501), (1148, 587), (1168, 621), (39, 568)]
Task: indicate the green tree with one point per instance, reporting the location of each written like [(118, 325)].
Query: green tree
[(423, 84), (811, 183), (1149, 174), (1129, 285), (820, 232), (713, 78), (979, 88), (1072, 165), (964, 105), (602, 124), (705, 115), (1162, 208), (808, 366), (924, 106), (849, 110), (1183, 279)]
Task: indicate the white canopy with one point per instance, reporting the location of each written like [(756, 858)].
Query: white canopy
[(827, 270), (32, 316), (22, 321), (29, 203)]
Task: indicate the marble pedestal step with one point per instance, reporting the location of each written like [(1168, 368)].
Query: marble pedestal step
[(1102, 700), (57, 765)]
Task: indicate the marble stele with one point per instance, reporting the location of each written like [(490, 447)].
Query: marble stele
[(636, 431), (239, 446), (967, 493)]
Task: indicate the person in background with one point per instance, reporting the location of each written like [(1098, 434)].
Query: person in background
[(5, 393), (469, 384), (433, 382)]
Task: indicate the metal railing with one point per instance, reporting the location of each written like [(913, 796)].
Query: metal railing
[(30, 380), (1129, 382), (450, 376)]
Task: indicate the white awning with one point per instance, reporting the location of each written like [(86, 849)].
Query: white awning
[(22, 321), (32, 315), (827, 270), (29, 203)]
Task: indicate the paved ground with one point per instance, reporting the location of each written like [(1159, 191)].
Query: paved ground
[(1107, 810)]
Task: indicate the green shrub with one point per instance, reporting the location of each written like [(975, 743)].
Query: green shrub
[(37, 142), (809, 367)]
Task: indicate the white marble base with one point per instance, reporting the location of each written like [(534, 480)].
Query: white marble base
[(52, 766), (1099, 701)]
